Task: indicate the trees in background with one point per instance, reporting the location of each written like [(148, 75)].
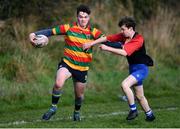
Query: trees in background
[(23, 8)]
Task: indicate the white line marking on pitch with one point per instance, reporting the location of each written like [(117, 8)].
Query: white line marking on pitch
[(90, 116)]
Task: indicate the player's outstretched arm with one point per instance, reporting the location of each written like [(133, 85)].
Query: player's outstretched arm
[(113, 50), (46, 32), (90, 44), (32, 36)]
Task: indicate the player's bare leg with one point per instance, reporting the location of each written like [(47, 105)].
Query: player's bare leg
[(62, 75), (144, 103), (126, 86)]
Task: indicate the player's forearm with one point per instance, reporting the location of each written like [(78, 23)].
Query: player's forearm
[(117, 51), (100, 40), (47, 32)]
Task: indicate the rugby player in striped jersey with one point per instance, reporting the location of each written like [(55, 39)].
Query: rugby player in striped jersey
[(75, 62)]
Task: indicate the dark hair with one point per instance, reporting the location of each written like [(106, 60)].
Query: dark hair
[(128, 22), (83, 8)]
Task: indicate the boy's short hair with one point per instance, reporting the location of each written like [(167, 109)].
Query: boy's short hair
[(128, 22), (83, 8)]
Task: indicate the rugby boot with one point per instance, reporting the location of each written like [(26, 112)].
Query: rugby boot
[(49, 113), (132, 115), (76, 116), (150, 118)]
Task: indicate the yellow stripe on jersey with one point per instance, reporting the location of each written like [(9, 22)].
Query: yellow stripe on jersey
[(66, 27), (94, 31), (79, 54), (77, 67), (80, 40), (54, 31)]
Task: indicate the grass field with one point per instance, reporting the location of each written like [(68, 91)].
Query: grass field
[(99, 115), (102, 107)]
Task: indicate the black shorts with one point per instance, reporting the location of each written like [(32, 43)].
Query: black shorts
[(78, 76)]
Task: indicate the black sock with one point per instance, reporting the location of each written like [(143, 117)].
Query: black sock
[(78, 102), (55, 96)]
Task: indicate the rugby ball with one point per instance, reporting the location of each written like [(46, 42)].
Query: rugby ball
[(41, 40)]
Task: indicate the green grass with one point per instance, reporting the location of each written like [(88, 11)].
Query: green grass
[(99, 115), (101, 101)]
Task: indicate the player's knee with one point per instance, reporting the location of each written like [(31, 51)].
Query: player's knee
[(59, 84), (124, 85), (140, 97)]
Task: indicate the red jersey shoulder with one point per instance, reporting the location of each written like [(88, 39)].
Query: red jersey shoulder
[(134, 44), (139, 37)]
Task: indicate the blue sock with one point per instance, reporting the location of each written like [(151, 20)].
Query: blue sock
[(133, 107), (149, 113)]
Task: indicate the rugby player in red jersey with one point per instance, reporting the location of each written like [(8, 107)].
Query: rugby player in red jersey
[(133, 49)]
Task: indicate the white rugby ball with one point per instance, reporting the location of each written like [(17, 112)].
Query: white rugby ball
[(41, 40)]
